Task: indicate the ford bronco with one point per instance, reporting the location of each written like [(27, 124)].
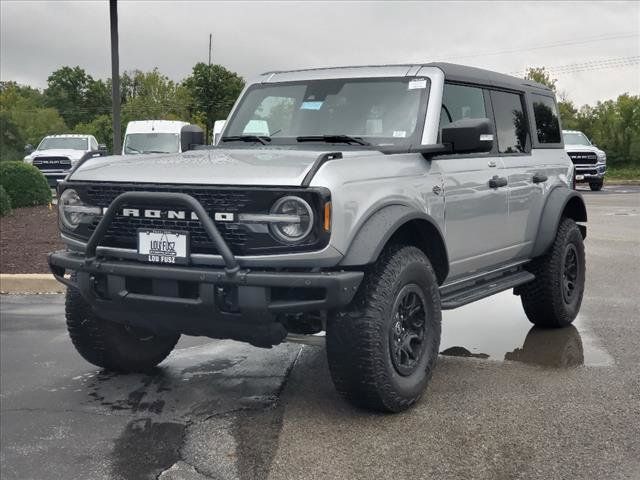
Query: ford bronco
[(357, 202)]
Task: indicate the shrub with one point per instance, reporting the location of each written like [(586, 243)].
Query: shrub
[(25, 184), (5, 202)]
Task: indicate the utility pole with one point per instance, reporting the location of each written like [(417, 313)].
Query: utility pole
[(210, 38), (115, 77), (206, 133)]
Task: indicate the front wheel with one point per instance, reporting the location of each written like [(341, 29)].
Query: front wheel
[(382, 350), (553, 299), (597, 186), (111, 345)]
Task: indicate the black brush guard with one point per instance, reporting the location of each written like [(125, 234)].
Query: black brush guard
[(232, 303)]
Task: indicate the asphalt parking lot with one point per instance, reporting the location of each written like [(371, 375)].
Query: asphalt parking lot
[(506, 401)]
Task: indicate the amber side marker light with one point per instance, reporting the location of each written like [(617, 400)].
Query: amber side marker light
[(327, 217)]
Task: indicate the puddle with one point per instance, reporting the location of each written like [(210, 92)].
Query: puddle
[(497, 329)]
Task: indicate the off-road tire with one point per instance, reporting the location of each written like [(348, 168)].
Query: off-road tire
[(358, 339), (111, 345), (543, 299), (596, 187)]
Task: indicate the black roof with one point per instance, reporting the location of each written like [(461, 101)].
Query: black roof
[(464, 74), (455, 73)]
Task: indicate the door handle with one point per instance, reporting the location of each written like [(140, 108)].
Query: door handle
[(539, 178), (497, 182)]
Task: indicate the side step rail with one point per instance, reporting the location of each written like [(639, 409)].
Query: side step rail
[(482, 288)]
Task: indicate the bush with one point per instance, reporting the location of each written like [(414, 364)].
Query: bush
[(5, 202), (25, 184)]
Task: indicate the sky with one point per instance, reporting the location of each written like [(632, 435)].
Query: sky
[(592, 48)]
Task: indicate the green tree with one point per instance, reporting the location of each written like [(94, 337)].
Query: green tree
[(541, 75), (152, 95), (212, 91), (76, 95), (100, 127), (23, 119)]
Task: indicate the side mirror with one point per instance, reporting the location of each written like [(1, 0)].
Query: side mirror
[(469, 135), (102, 146), (218, 126), (28, 148)]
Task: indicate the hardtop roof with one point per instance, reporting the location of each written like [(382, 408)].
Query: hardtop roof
[(452, 72)]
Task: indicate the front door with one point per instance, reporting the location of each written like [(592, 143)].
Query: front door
[(475, 211)]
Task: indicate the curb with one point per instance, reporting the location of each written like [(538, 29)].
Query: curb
[(30, 283)]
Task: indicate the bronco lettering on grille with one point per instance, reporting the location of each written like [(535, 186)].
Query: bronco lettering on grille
[(170, 214)]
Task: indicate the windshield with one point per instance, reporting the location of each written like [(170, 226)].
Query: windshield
[(135, 143), (377, 111), (575, 138), (63, 143)]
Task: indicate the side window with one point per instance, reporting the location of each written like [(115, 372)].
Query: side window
[(546, 115), (459, 101), (511, 123)]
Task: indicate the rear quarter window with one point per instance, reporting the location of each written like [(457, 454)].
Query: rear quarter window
[(546, 117)]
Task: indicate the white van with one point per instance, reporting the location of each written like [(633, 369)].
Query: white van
[(160, 136)]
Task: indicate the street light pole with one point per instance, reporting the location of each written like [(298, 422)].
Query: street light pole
[(115, 77)]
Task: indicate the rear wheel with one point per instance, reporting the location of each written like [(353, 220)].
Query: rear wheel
[(382, 350), (596, 187), (110, 345), (553, 299)]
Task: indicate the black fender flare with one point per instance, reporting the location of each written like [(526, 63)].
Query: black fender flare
[(381, 225), (561, 201)]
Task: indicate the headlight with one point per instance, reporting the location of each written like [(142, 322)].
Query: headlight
[(299, 224), (73, 212), (602, 157)]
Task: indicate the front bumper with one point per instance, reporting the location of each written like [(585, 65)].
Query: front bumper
[(231, 302), (590, 173), (245, 305), (55, 177)]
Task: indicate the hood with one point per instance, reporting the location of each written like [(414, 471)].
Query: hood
[(253, 166), (60, 152)]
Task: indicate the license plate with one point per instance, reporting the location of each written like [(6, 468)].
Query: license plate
[(579, 177), (162, 246)]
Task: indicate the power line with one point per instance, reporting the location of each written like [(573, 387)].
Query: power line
[(620, 62), (601, 38)]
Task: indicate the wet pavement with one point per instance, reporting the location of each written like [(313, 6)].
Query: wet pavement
[(506, 400)]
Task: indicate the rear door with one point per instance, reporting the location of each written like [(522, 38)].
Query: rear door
[(475, 213), (525, 170)]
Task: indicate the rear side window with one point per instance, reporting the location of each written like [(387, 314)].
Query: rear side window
[(511, 123), (459, 101), (546, 115)]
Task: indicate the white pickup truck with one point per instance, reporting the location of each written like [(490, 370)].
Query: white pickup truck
[(56, 155)]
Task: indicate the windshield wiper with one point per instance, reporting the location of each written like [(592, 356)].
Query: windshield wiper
[(131, 149), (154, 151), (263, 139), (333, 139)]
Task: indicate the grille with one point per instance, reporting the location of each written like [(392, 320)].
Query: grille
[(241, 239), (52, 163), (583, 158)]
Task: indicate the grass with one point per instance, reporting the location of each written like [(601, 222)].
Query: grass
[(623, 172)]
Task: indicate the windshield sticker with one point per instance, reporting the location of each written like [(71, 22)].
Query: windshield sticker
[(399, 133), (417, 84), (311, 106)]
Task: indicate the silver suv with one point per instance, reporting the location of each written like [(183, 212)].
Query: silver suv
[(354, 202)]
